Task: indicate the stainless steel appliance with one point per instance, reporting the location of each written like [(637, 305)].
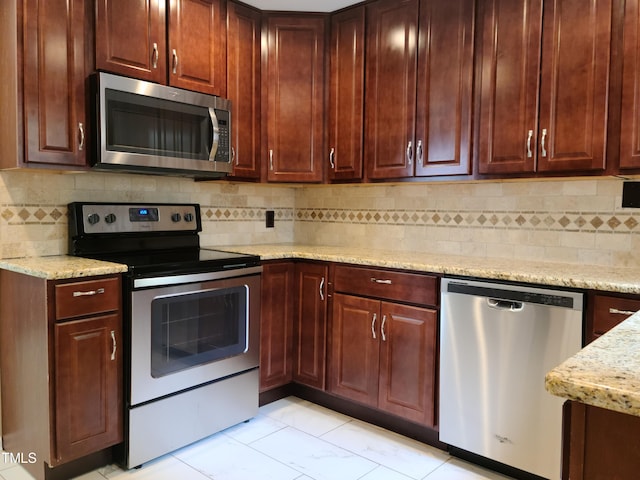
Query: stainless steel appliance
[(191, 323), (497, 342), (145, 127)]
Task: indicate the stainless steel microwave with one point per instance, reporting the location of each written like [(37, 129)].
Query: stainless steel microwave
[(146, 127)]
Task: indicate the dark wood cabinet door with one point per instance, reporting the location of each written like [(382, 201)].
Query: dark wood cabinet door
[(243, 87), (54, 74), (88, 386), (445, 87), (390, 90), (355, 348), (276, 325), (509, 85), (310, 330), (408, 362), (630, 126), (131, 38), (295, 93), (197, 45), (346, 107), (576, 46)]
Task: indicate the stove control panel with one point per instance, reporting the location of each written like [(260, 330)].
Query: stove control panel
[(99, 218)]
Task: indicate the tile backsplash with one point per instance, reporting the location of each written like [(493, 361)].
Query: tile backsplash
[(567, 220)]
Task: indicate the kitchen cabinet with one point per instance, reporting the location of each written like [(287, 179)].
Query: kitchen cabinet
[(61, 361), (544, 85), (383, 347), (294, 85), (44, 62), (346, 104), (310, 324), (630, 124), (243, 87), (176, 42), (276, 325), (419, 79), (602, 443)]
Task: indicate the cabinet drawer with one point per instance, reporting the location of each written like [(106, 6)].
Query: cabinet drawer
[(610, 311), (87, 297), (398, 286)]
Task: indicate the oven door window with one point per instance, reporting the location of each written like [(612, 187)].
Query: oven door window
[(197, 328)]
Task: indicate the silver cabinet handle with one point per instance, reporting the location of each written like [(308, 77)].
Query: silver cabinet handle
[(114, 345), (332, 154), (529, 137), (322, 289), (89, 293), (175, 61), (383, 281), (233, 157), (373, 325), (271, 160), (620, 312), (542, 142), (81, 130), (410, 152), (384, 335), (154, 56), (419, 152)]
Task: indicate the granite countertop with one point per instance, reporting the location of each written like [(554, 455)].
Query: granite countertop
[(605, 373), (622, 280), (61, 266)]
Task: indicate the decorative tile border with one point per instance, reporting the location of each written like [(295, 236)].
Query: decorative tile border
[(512, 220), (57, 214)]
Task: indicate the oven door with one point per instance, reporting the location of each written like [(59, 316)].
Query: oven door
[(194, 332)]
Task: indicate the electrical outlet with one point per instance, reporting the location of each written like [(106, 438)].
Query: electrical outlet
[(631, 194), (270, 219)]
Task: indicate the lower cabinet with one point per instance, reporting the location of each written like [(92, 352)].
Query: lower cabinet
[(61, 361), (276, 325), (602, 444), (310, 324), (383, 353)]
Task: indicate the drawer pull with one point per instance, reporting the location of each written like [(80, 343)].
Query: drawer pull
[(373, 325), (621, 312), (384, 335), (378, 280), (89, 293), (115, 347)]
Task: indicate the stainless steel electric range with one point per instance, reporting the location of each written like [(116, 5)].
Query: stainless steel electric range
[(191, 323)]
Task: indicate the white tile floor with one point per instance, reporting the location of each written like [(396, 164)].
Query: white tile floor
[(294, 439)]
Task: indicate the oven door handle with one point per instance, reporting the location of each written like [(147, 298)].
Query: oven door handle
[(167, 280)]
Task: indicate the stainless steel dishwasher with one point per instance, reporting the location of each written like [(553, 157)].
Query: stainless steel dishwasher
[(497, 342)]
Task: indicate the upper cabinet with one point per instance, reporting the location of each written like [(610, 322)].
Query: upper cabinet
[(294, 87), (178, 42), (346, 98), (630, 126), (544, 85), (419, 81), (243, 87), (44, 66)]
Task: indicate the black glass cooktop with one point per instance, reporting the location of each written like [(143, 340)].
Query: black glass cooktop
[(179, 261)]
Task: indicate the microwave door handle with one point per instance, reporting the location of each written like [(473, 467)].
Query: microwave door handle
[(215, 138)]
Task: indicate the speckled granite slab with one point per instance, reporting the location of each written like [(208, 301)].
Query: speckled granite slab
[(61, 267), (606, 373), (623, 280)]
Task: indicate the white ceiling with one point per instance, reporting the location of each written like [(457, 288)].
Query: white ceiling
[(302, 5)]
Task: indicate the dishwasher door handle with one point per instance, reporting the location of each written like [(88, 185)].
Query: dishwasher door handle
[(505, 305)]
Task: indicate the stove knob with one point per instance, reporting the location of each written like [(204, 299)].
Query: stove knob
[(175, 217), (93, 218), (110, 218), (188, 217)]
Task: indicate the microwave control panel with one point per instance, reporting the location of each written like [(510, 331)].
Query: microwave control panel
[(224, 134)]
